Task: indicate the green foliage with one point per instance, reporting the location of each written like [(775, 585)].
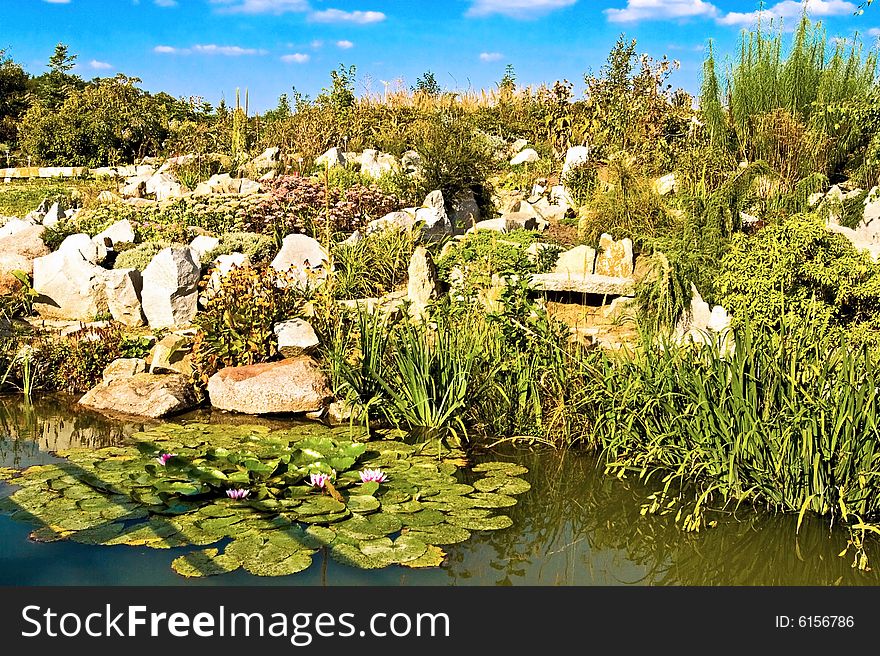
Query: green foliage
[(13, 99), (797, 269), (627, 207), (631, 109), (140, 256), (372, 266), (785, 419), (235, 328), (455, 158), (427, 85), (260, 249), (121, 495)]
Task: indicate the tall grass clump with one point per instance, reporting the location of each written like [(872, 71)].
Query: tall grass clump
[(803, 107), (785, 418)]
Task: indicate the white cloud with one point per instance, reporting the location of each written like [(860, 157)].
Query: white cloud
[(790, 9), (262, 6), (339, 16), (58, 2), (227, 51), (99, 65), (317, 44), (345, 44), (874, 31), (637, 10), (516, 8), (166, 3), (209, 49), (490, 56), (295, 58)]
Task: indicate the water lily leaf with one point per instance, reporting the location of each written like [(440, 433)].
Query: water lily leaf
[(426, 517), (404, 549), (49, 534), (441, 534), (321, 535), (207, 562), (369, 488), (496, 523), (433, 557), (291, 564), (501, 468), (350, 555), (98, 534), (8, 473), (373, 526), (502, 485), (320, 505), (491, 500), (362, 503)]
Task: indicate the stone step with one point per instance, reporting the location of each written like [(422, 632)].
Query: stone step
[(585, 284)]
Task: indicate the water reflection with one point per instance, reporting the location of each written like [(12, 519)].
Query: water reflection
[(575, 527), (578, 527)]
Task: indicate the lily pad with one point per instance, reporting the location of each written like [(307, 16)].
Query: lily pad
[(208, 562), (501, 468), (433, 557), (496, 523), (441, 534)]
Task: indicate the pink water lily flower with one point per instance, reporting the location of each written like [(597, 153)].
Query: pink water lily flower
[(319, 480), (238, 495), (164, 458), (373, 476)]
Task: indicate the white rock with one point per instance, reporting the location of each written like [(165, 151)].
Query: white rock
[(14, 226), (123, 288), (266, 160), (202, 245), (304, 259), (665, 185), (121, 232), (422, 287), (575, 156), (375, 164), (53, 216), (527, 156), (411, 162), (69, 286), (170, 288), (404, 221), (165, 186), (518, 145), (331, 158), (577, 262), (221, 268), (295, 337), (248, 187), (433, 217), (91, 250)]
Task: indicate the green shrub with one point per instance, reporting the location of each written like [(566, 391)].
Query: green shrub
[(140, 256), (373, 266), (235, 328), (795, 269), (259, 248)]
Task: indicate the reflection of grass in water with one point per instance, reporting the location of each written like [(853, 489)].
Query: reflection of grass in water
[(594, 523)]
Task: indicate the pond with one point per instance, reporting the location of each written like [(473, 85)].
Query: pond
[(574, 527)]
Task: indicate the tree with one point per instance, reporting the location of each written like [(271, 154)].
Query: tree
[(281, 111), (340, 95), (13, 97), (109, 121), (54, 87), (508, 81), (427, 85)]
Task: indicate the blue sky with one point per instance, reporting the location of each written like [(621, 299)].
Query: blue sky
[(210, 47)]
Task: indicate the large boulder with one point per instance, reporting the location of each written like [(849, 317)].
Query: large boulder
[(577, 262), (165, 186), (465, 210), (295, 385), (304, 260), (331, 158), (615, 258), (375, 164), (266, 160), (202, 245), (123, 290), (526, 156), (91, 250), (411, 162), (27, 243), (14, 226), (172, 354), (146, 395), (69, 286), (423, 286), (296, 337), (170, 288), (433, 217), (121, 232), (402, 221), (576, 156)]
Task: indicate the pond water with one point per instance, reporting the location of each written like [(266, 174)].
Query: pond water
[(574, 527)]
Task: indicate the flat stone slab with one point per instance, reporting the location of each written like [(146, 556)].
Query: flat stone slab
[(587, 284)]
